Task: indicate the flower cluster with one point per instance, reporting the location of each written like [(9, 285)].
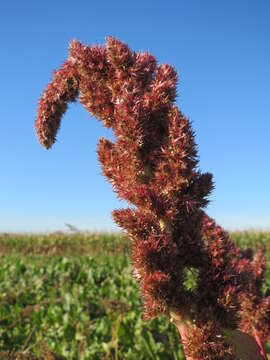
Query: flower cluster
[(153, 165)]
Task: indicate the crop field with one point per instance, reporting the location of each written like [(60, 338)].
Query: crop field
[(72, 296)]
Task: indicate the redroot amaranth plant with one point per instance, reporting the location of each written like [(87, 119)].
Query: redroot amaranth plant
[(153, 165)]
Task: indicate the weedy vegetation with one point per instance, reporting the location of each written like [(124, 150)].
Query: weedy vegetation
[(73, 296)]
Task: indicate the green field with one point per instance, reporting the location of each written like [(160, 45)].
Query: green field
[(72, 296)]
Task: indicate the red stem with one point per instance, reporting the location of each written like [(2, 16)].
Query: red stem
[(258, 340)]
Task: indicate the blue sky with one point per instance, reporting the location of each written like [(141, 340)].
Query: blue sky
[(221, 50)]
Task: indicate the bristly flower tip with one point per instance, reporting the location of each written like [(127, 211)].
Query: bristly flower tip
[(153, 165)]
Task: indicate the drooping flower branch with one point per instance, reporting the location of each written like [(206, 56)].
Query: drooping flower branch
[(154, 166)]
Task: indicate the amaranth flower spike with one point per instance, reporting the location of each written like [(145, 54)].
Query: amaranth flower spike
[(153, 165)]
